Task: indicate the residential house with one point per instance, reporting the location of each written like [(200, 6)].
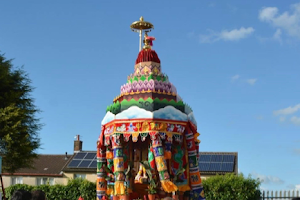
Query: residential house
[(58, 169)]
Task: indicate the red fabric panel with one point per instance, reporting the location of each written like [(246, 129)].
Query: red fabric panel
[(147, 55)]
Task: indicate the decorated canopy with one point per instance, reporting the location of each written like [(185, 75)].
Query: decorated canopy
[(148, 111)]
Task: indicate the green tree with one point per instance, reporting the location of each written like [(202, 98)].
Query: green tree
[(231, 187), (18, 125)]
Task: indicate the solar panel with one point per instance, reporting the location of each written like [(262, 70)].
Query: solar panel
[(227, 166), (90, 156), (205, 158), (80, 155), (93, 164), (85, 163), (216, 158), (215, 166), (204, 166), (216, 163), (74, 163), (228, 158)]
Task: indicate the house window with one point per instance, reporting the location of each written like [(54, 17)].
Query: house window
[(44, 181), (79, 176), (16, 180)]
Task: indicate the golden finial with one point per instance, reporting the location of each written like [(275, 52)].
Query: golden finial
[(140, 27)]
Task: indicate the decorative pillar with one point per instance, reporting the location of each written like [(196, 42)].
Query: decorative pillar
[(197, 192), (161, 164), (101, 174), (119, 188)]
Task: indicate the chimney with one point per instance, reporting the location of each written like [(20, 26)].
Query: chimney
[(66, 157), (77, 144)]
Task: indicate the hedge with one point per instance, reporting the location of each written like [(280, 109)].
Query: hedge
[(231, 187), (220, 187), (72, 191)]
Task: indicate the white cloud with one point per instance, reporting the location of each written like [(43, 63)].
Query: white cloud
[(134, 112), (235, 77), (169, 112), (288, 21), (227, 35), (191, 34), (295, 120), (267, 13), (251, 81), (296, 151), (236, 34), (268, 179), (108, 118), (282, 119), (287, 111), (277, 35), (213, 4), (260, 117), (294, 187)]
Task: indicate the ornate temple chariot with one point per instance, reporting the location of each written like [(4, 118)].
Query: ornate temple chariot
[(148, 144)]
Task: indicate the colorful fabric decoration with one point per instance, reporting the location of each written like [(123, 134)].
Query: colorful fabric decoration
[(168, 147), (134, 127), (119, 187), (109, 153), (178, 162), (195, 179), (197, 149), (101, 174), (126, 150), (161, 164), (151, 159), (110, 175)]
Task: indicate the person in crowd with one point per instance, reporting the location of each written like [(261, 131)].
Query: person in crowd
[(21, 195), (168, 198), (38, 195)]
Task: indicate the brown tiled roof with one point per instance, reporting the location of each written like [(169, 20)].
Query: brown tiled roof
[(44, 165)]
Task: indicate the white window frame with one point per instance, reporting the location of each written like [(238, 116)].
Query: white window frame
[(83, 176), (16, 180), (44, 180)]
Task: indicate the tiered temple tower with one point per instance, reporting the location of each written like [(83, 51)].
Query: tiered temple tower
[(149, 140)]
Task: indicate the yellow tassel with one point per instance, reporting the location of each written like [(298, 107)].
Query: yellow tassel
[(110, 191), (183, 188), (119, 187), (109, 155), (196, 136), (168, 186), (167, 155)]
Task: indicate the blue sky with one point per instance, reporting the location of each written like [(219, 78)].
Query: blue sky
[(236, 63)]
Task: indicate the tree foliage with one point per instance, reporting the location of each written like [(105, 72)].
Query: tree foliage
[(231, 187), (18, 124)]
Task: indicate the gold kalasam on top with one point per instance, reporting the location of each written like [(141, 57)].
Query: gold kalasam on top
[(141, 25)]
